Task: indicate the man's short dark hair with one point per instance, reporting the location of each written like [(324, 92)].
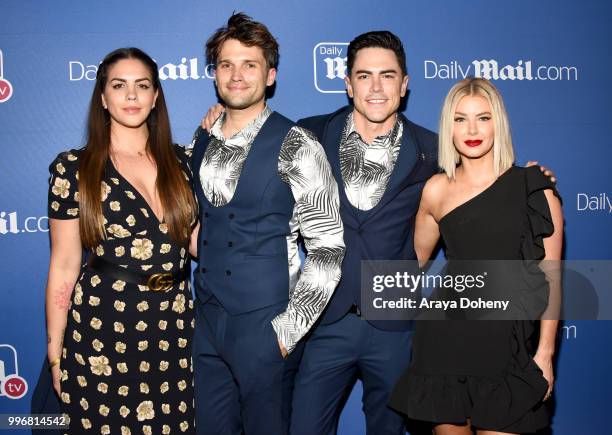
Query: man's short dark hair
[(377, 39), (247, 31)]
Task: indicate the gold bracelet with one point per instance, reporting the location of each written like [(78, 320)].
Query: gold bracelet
[(54, 362)]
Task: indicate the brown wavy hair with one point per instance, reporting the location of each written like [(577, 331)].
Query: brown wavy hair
[(174, 191)]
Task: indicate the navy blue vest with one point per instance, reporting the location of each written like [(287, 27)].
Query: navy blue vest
[(242, 246), (386, 231)]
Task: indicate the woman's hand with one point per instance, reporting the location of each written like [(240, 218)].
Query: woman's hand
[(546, 365), (211, 116)]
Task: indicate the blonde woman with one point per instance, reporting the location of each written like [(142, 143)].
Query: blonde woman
[(482, 375)]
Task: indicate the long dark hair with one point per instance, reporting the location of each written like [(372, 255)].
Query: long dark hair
[(173, 189)]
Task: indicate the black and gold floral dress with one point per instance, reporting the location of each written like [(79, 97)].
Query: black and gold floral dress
[(126, 360)]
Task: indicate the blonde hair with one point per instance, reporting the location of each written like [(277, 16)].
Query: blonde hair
[(503, 153)]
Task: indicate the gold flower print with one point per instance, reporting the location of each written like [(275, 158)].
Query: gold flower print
[(60, 168), (123, 390), (183, 252), (82, 381), (167, 266), (118, 327), (97, 345), (164, 345), (99, 365), (72, 211), (104, 190), (146, 266), (95, 323), (142, 306), (84, 404), (165, 408), (163, 365), (162, 325), (115, 181), (103, 410), (86, 423), (184, 426), (94, 301), (165, 429), (119, 251), (182, 343), (144, 388), (142, 249), (126, 430), (64, 375), (118, 231), (145, 410), (76, 194), (78, 294), (180, 323), (144, 366), (163, 228), (144, 212), (122, 367), (141, 326), (130, 194), (71, 157), (178, 305), (79, 358), (182, 385), (165, 248), (163, 306), (103, 387), (61, 187), (146, 430), (131, 220), (190, 304), (76, 336), (55, 205), (99, 250), (164, 387), (143, 288), (105, 430), (143, 345), (76, 316), (120, 348), (115, 206), (64, 353), (118, 285), (65, 397), (183, 363), (182, 407), (95, 280), (182, 284), (124, 411), (119, 306)]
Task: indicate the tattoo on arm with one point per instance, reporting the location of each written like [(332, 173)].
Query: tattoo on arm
[(62, 296)]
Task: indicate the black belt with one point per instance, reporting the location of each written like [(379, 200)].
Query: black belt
[(156, 281)]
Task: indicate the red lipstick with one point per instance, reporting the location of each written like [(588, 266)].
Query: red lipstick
[(473, 143)]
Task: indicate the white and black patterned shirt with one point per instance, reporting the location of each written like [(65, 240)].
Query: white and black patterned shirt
[(302, 164), (366, 168)]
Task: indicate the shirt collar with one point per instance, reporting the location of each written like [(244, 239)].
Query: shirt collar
[(247, 133)]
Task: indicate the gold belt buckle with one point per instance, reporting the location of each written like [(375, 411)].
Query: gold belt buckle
[(160, 282)]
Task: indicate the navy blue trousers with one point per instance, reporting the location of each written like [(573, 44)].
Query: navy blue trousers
[(242, 383), (335, 356)]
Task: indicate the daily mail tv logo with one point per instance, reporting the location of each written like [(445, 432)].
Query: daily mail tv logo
[(329, 61)]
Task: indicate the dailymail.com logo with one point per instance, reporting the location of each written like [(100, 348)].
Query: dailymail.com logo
[(12, 385), (329, 61)]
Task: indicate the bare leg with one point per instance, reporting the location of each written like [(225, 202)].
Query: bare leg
[(453, 429)]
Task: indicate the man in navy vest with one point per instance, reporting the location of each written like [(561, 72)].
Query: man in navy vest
[(260, 181), (381, 161)]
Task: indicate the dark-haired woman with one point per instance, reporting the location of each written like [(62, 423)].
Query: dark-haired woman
[(120, 327)]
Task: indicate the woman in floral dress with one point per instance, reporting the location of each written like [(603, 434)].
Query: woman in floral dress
[(120, 326)]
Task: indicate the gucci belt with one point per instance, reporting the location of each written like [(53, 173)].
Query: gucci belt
[(157, 282)]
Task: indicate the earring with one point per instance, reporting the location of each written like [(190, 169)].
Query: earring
[(105, 107)]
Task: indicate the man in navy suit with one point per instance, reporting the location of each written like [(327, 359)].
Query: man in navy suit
[(381, 161)]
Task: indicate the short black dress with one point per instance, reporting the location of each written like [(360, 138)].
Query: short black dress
[(483, 369), (126, 360)]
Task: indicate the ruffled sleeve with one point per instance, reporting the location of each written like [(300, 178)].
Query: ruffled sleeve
[(63, 197), (540, 224)]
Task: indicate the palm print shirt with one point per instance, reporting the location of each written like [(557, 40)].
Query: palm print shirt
[(302, 164), (366, 168)]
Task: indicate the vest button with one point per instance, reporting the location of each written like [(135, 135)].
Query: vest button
[(228, 272), (231, 216), (230, 244)]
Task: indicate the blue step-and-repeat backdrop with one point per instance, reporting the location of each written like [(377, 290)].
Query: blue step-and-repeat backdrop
[(551, 60)]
